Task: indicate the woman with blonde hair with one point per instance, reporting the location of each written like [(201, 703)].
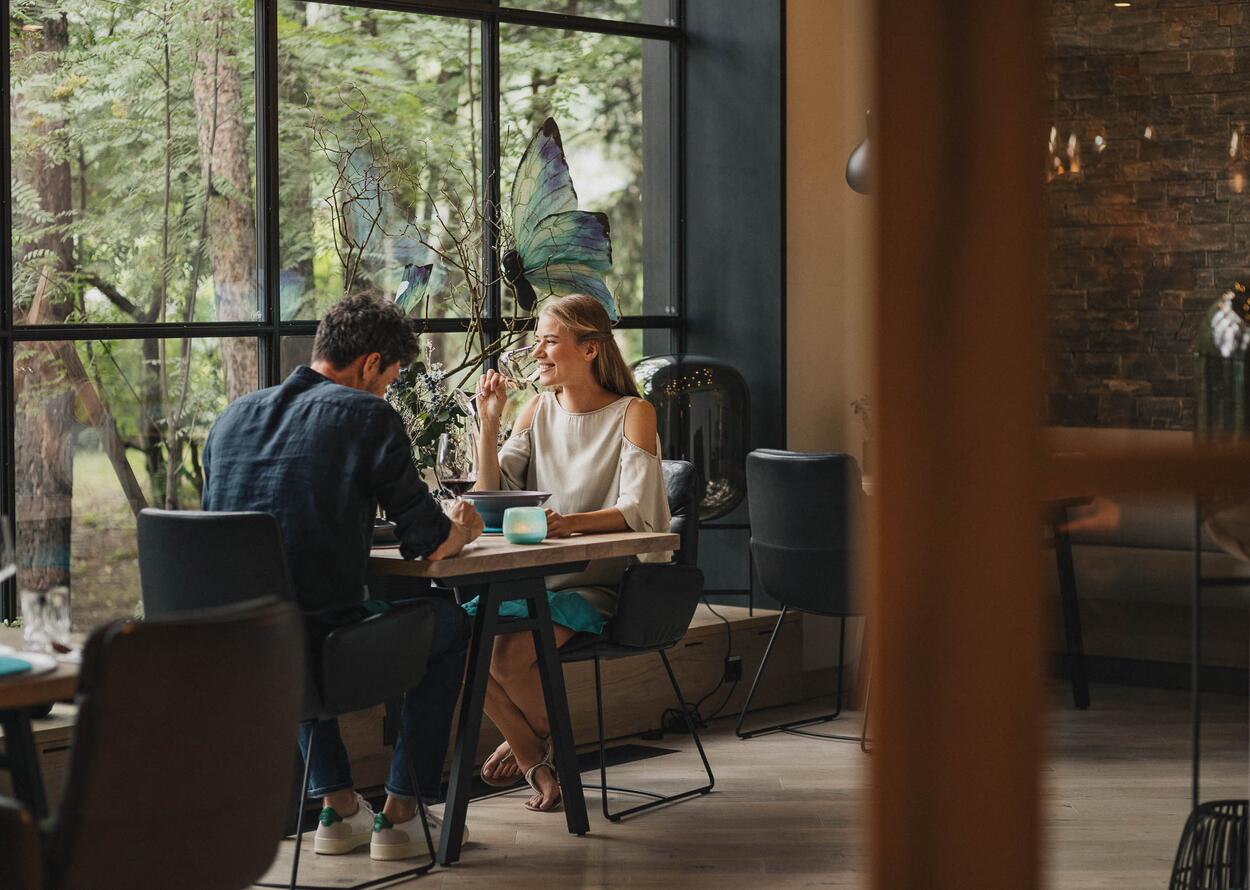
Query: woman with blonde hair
[(592, 442)]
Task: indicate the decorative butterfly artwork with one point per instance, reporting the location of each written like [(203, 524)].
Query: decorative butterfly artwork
[(412, 288), (557, 249)]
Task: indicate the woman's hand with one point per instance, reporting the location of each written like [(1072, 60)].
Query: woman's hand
[(492, 395), (559, 525)]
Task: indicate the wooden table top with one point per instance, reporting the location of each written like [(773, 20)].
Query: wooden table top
[(28, 690), (493, 553)]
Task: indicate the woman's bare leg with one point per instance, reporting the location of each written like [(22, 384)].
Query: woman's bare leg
[(501, 764), (507, 717), (515, 704), (515, 666)]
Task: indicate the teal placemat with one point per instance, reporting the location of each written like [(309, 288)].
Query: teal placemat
[(9, 665)]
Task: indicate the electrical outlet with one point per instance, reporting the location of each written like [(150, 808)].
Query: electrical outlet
[(733, 668)]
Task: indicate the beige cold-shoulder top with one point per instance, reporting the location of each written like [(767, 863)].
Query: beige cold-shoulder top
[(587, 464)]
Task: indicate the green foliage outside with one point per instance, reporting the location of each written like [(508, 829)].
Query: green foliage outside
[(134, 180)]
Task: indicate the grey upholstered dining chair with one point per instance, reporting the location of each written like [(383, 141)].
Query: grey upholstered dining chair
[(189, 559), (655, 604), (805, 516)]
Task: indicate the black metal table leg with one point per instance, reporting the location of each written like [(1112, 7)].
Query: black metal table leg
[(1071, 610), (23, 761), (563, 746), (470, 722)]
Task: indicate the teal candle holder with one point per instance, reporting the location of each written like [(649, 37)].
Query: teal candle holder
[(525, 525)]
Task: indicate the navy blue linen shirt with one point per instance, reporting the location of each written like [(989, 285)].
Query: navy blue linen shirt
[(321, 457)]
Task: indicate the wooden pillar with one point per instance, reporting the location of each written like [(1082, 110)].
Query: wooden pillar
[(958, 698)]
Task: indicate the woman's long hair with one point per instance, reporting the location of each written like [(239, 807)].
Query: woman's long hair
[(587, 320)]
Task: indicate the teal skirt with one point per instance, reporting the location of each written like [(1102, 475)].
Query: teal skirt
[(567, 608)]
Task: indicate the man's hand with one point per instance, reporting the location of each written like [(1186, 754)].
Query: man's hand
[(463, 513), (559, 525), (466, 525)]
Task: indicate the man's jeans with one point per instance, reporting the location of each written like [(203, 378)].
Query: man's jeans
[(425, 721)]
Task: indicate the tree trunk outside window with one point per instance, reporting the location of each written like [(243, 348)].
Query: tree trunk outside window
[(224, 151), (45, 423)]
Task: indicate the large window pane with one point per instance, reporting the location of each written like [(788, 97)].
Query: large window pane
[(379, 152), (611, 98), (132, 151), (650, 12), (97, 423)]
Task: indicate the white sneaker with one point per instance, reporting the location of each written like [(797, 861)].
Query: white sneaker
[(403, 841), (341, 834)]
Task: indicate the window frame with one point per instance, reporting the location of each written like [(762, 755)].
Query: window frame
[(270, 331)]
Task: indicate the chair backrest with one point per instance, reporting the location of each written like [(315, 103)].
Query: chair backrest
[(180, 773), (190, 559), (683, 483), (804, 519)]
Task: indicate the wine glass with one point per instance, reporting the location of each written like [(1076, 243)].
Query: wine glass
[(519, 365), (519, 368), (454, 462)]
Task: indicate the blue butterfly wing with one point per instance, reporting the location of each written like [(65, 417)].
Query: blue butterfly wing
[(574, 236), (412, 288), (562, 279), (542, 185)]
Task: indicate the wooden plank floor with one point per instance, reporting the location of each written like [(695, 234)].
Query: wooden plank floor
[(788, 811)]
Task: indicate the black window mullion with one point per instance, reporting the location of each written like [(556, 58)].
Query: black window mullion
[(8, 505), (154, 330), (8, 490), (6, 194), (267, 243), (490, 165), (490, 10), (678, 189)]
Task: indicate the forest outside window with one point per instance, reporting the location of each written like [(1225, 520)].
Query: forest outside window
[(139, 301), (133, 141)]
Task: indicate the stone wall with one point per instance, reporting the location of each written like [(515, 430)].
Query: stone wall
[(1150, 213)]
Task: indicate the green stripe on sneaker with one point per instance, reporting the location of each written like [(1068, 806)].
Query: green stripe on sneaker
[(329, 816), (381, 823)]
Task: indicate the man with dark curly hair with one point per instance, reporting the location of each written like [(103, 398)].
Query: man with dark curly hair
[(321, 451)]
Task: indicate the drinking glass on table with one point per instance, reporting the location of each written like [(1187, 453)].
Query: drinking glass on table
[(8, 556), (45, 620)]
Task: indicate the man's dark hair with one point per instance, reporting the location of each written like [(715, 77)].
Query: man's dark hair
[(358, 325)]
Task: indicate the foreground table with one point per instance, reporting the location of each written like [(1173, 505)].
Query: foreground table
[(496, 571), (18, 694)]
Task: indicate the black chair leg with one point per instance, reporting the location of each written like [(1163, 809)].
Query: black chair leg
[(658, 800), (299, 817), (794, 726), (425, 822), (299, 820), (299, 837)]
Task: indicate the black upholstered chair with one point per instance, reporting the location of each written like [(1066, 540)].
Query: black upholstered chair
[(192, 559), (805, 511), (655, 604), (157, 793)]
